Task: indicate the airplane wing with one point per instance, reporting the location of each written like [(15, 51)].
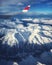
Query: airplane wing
[(26, 9), (8, 15)]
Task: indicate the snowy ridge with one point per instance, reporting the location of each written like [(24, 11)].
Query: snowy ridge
[(11, 40), (38, 20), (15, 32), (34, 33), (27, 19)]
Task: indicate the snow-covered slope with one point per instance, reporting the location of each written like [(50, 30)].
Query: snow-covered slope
[(16, 32), (38, 20)]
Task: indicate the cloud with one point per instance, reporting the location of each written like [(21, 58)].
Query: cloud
[(8, 2), (20, 3), (11, 5)]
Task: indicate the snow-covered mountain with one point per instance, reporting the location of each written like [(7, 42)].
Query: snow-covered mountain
[(16, 31), (37, 31), (38, 20)]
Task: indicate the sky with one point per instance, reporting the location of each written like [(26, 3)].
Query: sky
[(16, 6)]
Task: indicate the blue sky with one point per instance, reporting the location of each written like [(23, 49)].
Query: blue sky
[(15, 6)]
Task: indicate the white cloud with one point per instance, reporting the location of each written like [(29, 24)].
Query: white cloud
[(20, 3), (8, 2)]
